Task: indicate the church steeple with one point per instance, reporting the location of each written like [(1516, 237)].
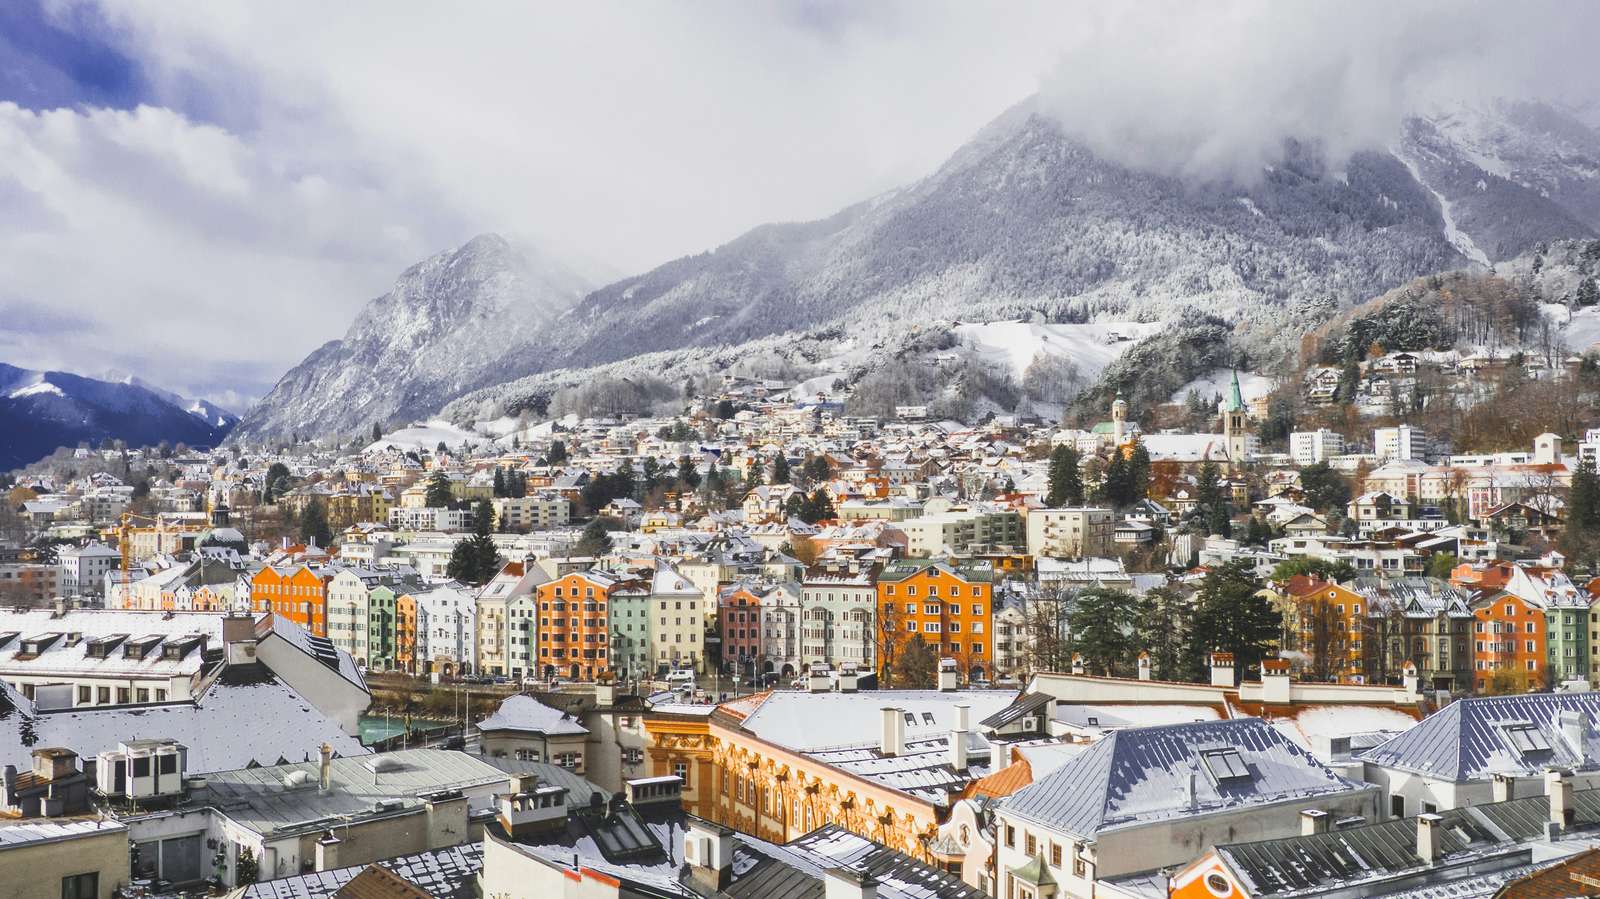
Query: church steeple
[(1235, 401)]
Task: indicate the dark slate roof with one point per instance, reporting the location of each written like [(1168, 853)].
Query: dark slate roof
[(1313, 863), (1139, 775), (1471, 739), (1026, 704), (443, 873)]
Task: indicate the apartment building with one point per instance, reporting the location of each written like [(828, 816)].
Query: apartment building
[(1071, 533), (951, 608), (572, 632)]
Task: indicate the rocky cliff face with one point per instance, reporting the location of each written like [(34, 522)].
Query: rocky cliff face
[(468, 317)]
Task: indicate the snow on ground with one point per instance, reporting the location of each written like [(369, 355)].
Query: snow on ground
[(1251, 385), (1583, 329), (36, 389), (1457, 237), (1091, 346), (426, 436)]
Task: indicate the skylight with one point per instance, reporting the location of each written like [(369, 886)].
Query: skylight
[(1225, 764), (1525, 737)]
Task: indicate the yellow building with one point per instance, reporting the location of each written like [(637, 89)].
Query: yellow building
[(760, 765)]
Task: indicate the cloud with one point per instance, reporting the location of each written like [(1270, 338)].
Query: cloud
[(289, 159), (1212, 90)]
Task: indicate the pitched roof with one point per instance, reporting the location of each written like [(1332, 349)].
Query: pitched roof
[(524, 713), (1475, 738), (1141, 775)]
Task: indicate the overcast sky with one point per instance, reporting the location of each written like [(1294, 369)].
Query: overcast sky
[(203, 192)]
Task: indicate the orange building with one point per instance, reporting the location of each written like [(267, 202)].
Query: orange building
[(1322, 617), (1509, 641), (950, 608), (296, 592), (572, 634), (405, 633)]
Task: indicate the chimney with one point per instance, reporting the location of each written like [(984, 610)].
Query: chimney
[(8, 786), (1558, 786), (535, 811), (818, 681), (999, 754), (1569, 724), (848, 883), (325, 770), (848, 674), (1222, 669), (958, 740), (1505, 787), (1190, 787), (1077, 663), (60, 607), (1144, 666), (949, 676), (605, 694), (1409, 679), (1427, 839), (239, 639), (708, 850), (1313, 821), (1275, 681), (892, 740)]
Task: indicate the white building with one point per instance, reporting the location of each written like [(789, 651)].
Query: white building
[(446, 629), (1400, 442), (84, 569), (837, 620), (1070, 533), (1311, 447)]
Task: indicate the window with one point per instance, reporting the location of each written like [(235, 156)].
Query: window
[(81, 886), (1029, 844), (1011, 837), (680, 770), (1224, 764), (927, 718), (1055, 854), (85, 694), (1524, 736), (1397, 806)]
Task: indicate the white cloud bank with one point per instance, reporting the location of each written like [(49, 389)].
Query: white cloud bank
[(328, 146)]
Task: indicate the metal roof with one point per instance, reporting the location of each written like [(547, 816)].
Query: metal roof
[(1471, 739), (1139, 775)]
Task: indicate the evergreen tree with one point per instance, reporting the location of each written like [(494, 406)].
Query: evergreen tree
[(558, 452), (314, 524), (817, 469), (915, 665), (1102, 630), (794, 506), (1138, 472), (1325, 488), (1211, 501), (518, 485), (780, 469), (463, 565), (438, 495), (1588, 294), (817, 507), (1231, 615), (1162, 622), (377, 432), (1581, 539), (499, 483), (651, 476), (595, 540), (688, 477), (1117, 488), (1066, 482), (724, 409), (486, 557)]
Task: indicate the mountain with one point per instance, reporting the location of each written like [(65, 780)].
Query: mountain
[(41, 411), (1508, 175), (1026, 223), (1023, 221), (468, 317)]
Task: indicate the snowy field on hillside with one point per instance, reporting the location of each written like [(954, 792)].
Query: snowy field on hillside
[(425, 436), (1215, 382), (1583, 329), (1091, 346)]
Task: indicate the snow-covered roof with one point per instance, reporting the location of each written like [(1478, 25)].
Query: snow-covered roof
[(524, 713), (788, 718)]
